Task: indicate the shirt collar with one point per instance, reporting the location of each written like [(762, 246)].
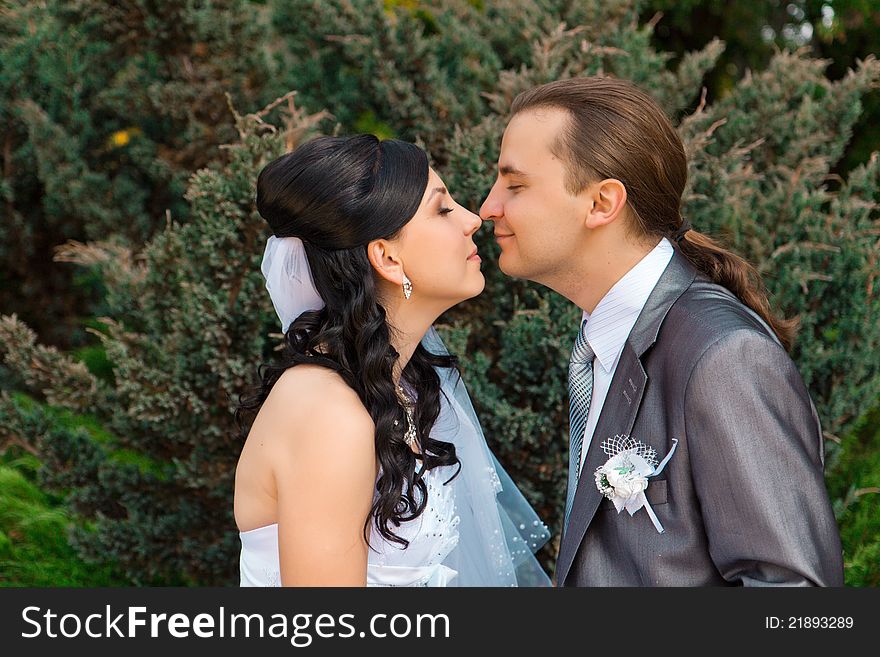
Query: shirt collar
[(610, 323)]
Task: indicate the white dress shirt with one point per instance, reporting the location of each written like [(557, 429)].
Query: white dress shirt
[(611, 322)]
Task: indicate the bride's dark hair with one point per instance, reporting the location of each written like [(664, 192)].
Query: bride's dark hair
[(337, 194)]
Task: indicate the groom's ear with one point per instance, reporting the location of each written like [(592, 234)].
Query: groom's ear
[(606, 199), (383, 255)]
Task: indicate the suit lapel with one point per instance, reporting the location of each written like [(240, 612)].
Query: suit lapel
[(617, 418), (622, 403)]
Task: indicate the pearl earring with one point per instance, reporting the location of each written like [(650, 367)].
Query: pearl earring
[(407, 287)]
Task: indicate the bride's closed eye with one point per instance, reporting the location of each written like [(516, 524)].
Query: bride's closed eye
[(444, 211)]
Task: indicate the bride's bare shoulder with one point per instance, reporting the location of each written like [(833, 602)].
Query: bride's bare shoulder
[(314, 381), (311, 432), (310, 399)]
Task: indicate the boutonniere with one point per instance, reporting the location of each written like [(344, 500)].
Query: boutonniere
[(624, 477)]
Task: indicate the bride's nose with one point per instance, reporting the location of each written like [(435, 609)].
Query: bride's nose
[(472, 223)]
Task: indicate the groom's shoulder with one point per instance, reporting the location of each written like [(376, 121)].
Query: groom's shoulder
[(706, 313)]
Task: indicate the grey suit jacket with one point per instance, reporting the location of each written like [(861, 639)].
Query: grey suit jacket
[(743, 499)]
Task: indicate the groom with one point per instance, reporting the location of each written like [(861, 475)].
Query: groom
[(677, 358)]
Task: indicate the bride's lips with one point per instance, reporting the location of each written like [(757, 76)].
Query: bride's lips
[(474, 257)]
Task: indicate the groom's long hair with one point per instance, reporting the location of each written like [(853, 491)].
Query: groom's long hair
[(616, 130), (337, 194)]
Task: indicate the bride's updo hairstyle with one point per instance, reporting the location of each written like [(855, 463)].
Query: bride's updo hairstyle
[(337, 194)]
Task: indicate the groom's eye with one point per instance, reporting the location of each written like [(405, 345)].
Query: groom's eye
[(513, 187)]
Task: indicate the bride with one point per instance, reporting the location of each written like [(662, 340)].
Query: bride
[(365, 463)]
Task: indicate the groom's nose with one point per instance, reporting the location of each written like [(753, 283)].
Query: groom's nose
[(491, 207)]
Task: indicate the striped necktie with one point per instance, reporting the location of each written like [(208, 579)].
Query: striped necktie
[(580, 393)]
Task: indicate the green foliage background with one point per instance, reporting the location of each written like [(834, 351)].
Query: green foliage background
[(134, 311)]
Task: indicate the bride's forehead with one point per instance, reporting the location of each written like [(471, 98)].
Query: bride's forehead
[(433, 178), (434, 187)]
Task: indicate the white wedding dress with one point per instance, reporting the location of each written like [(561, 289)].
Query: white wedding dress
[(432, 536)]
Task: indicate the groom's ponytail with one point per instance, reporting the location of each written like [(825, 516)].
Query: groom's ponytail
[(619, 131), (737, 275)]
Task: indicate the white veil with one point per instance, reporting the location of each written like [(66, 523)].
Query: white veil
[(289, 279), (499, 532)]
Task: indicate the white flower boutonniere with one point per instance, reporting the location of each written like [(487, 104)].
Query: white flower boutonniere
[(624, 477)]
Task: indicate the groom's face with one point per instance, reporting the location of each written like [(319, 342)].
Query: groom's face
[(537, 221)]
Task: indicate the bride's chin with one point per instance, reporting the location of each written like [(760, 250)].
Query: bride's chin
[(473, 289), (478, 289)]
